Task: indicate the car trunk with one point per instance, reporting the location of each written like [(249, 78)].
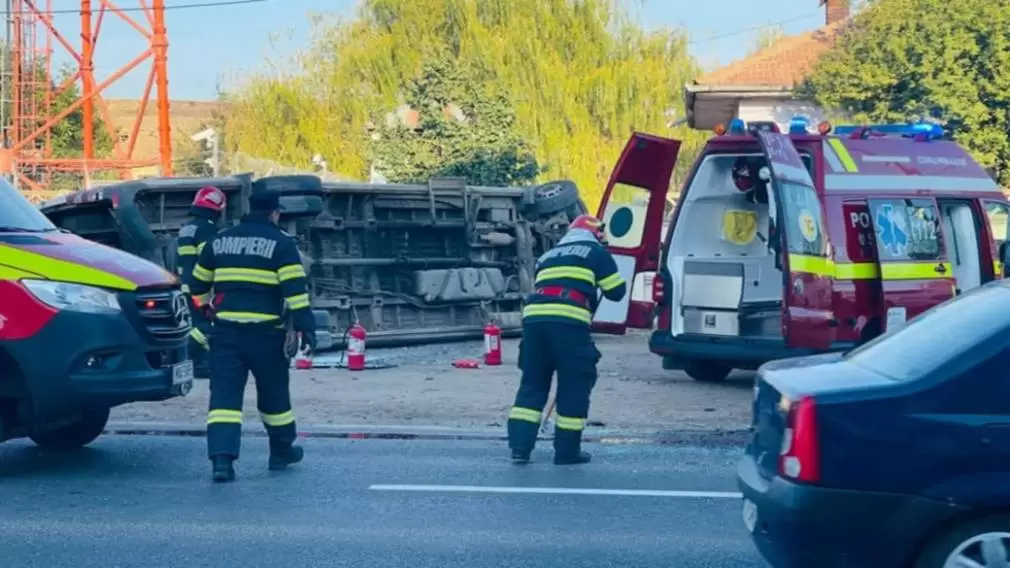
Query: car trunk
[(827, 378)]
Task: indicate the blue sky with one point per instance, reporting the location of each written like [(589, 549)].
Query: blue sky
[(209, 45)]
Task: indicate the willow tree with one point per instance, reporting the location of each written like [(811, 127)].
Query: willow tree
[(909, 59), (580, 75)]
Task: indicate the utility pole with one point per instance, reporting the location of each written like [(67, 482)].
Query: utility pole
[(209, 138)]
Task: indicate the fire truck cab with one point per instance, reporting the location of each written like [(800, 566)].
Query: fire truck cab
[(788, 244)]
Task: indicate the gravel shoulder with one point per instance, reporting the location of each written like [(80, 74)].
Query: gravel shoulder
[(633, 393)]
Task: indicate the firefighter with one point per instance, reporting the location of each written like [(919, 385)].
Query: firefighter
[(556, 337), (255, 273), (205, 211)]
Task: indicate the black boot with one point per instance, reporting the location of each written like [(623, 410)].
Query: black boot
[(522, 438), (520, 457), (568, 447), (570, 459), (282, 457), (222, 469)]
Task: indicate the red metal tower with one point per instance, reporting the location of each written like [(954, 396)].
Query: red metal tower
[(27, 110)]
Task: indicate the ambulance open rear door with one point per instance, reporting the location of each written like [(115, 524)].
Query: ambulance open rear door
[(633, 207), (801, 242)]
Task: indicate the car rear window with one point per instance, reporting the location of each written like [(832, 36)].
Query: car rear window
[(938, 336)]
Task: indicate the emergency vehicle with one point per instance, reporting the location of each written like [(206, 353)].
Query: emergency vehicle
[(83, 328), (787, 244)]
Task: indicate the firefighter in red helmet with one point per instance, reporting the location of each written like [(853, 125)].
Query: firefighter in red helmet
[(205, 212), (556, 338)]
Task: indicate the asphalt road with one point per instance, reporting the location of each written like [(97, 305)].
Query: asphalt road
[(133, 501)]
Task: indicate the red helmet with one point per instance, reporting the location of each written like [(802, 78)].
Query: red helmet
[(211, 198), (589, 223)]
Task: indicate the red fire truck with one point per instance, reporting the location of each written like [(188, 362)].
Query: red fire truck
[(787, 244)]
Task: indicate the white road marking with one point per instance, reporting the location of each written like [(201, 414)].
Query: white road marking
[(558, 491)]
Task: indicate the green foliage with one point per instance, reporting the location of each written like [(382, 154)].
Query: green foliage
[(579, 75), (903, 59), (480, 144), (68, 134)]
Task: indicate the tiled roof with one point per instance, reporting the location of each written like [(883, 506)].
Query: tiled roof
[(783, 64)]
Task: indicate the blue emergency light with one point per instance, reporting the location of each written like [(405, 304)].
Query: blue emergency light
[(929, 130), (799, 125), (737, 127)]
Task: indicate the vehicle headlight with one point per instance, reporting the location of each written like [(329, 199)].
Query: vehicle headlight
[(73, 297)]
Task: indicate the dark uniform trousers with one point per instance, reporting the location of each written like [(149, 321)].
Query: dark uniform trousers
[(234, 354), (548, 347)]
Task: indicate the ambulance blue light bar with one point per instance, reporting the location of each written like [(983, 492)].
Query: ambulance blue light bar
[(737, 127), (928, 130), (799, 125)]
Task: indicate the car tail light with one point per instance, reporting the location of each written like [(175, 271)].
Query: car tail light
[(800, 455), (658, 289)]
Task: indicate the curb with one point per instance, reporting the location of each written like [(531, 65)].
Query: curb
[(719, 438)]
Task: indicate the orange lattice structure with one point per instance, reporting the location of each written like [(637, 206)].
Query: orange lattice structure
[(26, 154)]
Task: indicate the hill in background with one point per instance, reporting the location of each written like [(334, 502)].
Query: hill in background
[(187, 118)]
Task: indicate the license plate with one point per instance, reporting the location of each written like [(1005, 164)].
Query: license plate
[(182, 373), (750, 515)]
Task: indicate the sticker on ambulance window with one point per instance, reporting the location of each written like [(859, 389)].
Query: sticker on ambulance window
[(808, 226), (624, 216), (739, 226)]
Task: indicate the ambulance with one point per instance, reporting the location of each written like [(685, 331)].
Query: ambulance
[(789, 244), (83, 328)]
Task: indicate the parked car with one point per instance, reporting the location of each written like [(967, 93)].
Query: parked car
[(895, 454)]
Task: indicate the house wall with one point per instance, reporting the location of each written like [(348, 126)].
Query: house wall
[(778, 110)]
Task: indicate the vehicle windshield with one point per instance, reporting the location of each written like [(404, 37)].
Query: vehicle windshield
[(17, 214), (937, 336)]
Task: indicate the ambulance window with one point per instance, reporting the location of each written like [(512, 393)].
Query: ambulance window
[(625, 215), (998, 214), (906, 229), (808, 161), (804, 233), (18, 214)]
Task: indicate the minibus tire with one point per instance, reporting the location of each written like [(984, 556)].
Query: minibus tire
[(707, 371)]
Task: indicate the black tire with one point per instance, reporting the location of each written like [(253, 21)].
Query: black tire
[(945, 543), (76, 435), (555, 197), (578, 209), (136, 236), (322, 319), (707, 371), (324, 340), (301, 205), (295, 185)]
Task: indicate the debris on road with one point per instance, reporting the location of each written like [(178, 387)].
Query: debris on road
[(418, 386)]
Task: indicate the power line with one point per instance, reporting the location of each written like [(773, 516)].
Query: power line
[(214, 4), (754, 29)]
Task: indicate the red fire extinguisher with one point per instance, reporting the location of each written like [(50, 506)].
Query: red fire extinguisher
[(492, 344), (356, 347)]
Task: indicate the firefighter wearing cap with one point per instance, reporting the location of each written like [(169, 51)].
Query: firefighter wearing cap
[(205, 211), (556, 338), (255, 273)]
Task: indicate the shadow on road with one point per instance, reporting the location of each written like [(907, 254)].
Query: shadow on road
[(22, 460)]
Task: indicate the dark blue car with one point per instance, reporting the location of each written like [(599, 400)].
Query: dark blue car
[(894, 455)]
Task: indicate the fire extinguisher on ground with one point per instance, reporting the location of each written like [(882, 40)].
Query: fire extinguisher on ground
[(492, 344), (356, 347)]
